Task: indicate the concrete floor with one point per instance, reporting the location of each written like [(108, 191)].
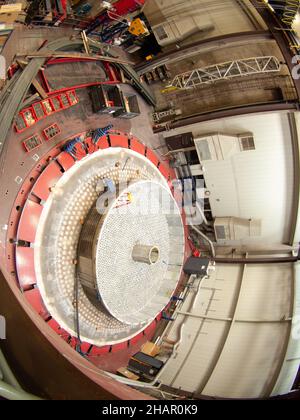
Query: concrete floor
[(24, 39)]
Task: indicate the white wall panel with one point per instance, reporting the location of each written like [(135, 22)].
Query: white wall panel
[(267, 292), (202, 356), (291, 363), (234, 341), (249, 361)]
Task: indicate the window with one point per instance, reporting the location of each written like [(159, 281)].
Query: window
[(247, 143), (220, 232), (203, 150), (161, 33)]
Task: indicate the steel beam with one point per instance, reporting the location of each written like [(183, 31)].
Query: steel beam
[(227, 113)]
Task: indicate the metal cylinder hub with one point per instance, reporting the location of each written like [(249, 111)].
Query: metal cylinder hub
[(145, 254)]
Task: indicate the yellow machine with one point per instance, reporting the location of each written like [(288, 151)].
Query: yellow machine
[(138, 28)]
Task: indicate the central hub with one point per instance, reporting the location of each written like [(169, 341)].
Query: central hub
[(145, 253)]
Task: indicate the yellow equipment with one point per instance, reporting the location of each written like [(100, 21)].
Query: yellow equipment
[(138, 28)]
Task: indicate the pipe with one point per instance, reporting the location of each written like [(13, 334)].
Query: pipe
[(10, 393), (202, 213), (206, 239), (255, 260), (151, 385), (226, 113), (7, 373)]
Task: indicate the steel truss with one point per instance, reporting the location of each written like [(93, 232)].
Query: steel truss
[(224, 71)]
